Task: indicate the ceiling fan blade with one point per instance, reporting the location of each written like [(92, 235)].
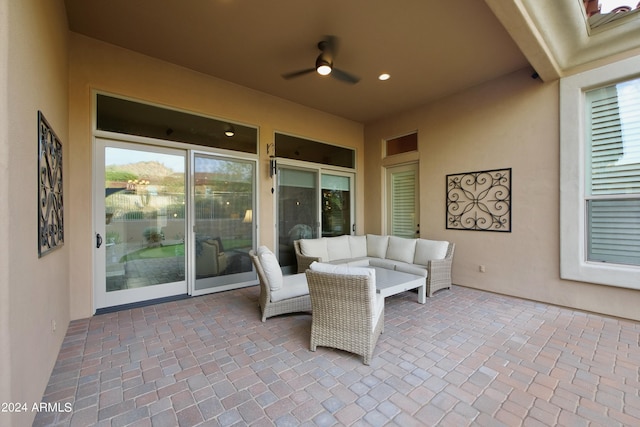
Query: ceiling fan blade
[(288, 76), (344, 76)]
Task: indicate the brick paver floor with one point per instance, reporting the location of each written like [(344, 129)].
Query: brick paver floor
[(466, 357)]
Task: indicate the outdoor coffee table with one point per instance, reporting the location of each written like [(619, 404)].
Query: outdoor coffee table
[(391, 282)]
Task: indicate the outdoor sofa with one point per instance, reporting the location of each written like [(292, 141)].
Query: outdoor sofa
[(429, 258)]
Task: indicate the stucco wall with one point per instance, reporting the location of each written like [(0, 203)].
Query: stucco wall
[(512, 122), (98, 66), (5, 331), (34, 291)]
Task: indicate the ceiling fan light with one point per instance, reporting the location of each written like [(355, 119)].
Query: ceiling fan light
[(324, 69)]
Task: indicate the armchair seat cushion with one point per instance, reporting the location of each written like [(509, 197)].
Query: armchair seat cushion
[(291, 297), (352, 262), (293, 286), (343, 269)]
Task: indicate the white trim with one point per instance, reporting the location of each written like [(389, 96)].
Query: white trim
[(573, 264)]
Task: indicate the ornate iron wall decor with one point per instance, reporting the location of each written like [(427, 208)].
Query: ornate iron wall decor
[(479, 201), (50, 206)]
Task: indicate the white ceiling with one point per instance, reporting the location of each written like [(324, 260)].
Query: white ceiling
[(431, 48)]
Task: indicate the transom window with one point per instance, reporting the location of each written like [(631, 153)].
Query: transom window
[(137, 118)]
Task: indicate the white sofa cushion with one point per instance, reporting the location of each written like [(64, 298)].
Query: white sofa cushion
[(358, 262), (358, 245), (417, 270), (430, 249), (294, 285), (343, 269), (401, 249), (315, 248), (338, 248), (377, 245), (389, 264), (271, 268)]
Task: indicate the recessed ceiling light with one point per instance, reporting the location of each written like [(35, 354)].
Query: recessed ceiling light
[(384, 76)]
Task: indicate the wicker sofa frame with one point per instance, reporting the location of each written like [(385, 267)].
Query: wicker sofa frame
[(343, 313), (270, 308), (438, 270)]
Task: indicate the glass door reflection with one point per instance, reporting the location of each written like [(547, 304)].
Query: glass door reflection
[(223, 222)]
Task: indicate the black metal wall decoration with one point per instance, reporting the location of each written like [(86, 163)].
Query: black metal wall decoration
[(479, 201), (50, 206)]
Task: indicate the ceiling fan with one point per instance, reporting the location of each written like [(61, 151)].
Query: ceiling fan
[(324, 63)]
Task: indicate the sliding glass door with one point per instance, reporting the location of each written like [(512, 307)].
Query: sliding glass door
[(297, 211), (336, 204), (140, 223), (163, 229), (311, 203), (223, 206)]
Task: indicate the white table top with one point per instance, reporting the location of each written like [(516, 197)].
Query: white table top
[(391, 282)]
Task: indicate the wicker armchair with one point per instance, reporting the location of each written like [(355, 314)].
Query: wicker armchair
[(298, 301), (439, 276), (347, 313)]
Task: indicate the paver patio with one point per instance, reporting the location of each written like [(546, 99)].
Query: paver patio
[(466, 357)]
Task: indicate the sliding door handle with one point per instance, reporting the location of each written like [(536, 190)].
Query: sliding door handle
[(98, 240)]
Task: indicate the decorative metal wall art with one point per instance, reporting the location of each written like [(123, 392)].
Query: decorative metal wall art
[(50, 206), (479, 201)]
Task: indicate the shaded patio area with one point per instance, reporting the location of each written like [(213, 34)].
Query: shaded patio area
[(466, 357)]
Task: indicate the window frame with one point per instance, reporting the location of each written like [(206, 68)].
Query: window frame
[(573, 192)]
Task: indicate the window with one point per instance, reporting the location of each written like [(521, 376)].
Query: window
[(600, 175), (292, 147), (612, 176), (137, 118), (402, 144)]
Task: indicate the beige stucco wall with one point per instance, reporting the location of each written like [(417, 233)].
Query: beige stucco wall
[(98, 66), (34, 291), (512, 122)]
